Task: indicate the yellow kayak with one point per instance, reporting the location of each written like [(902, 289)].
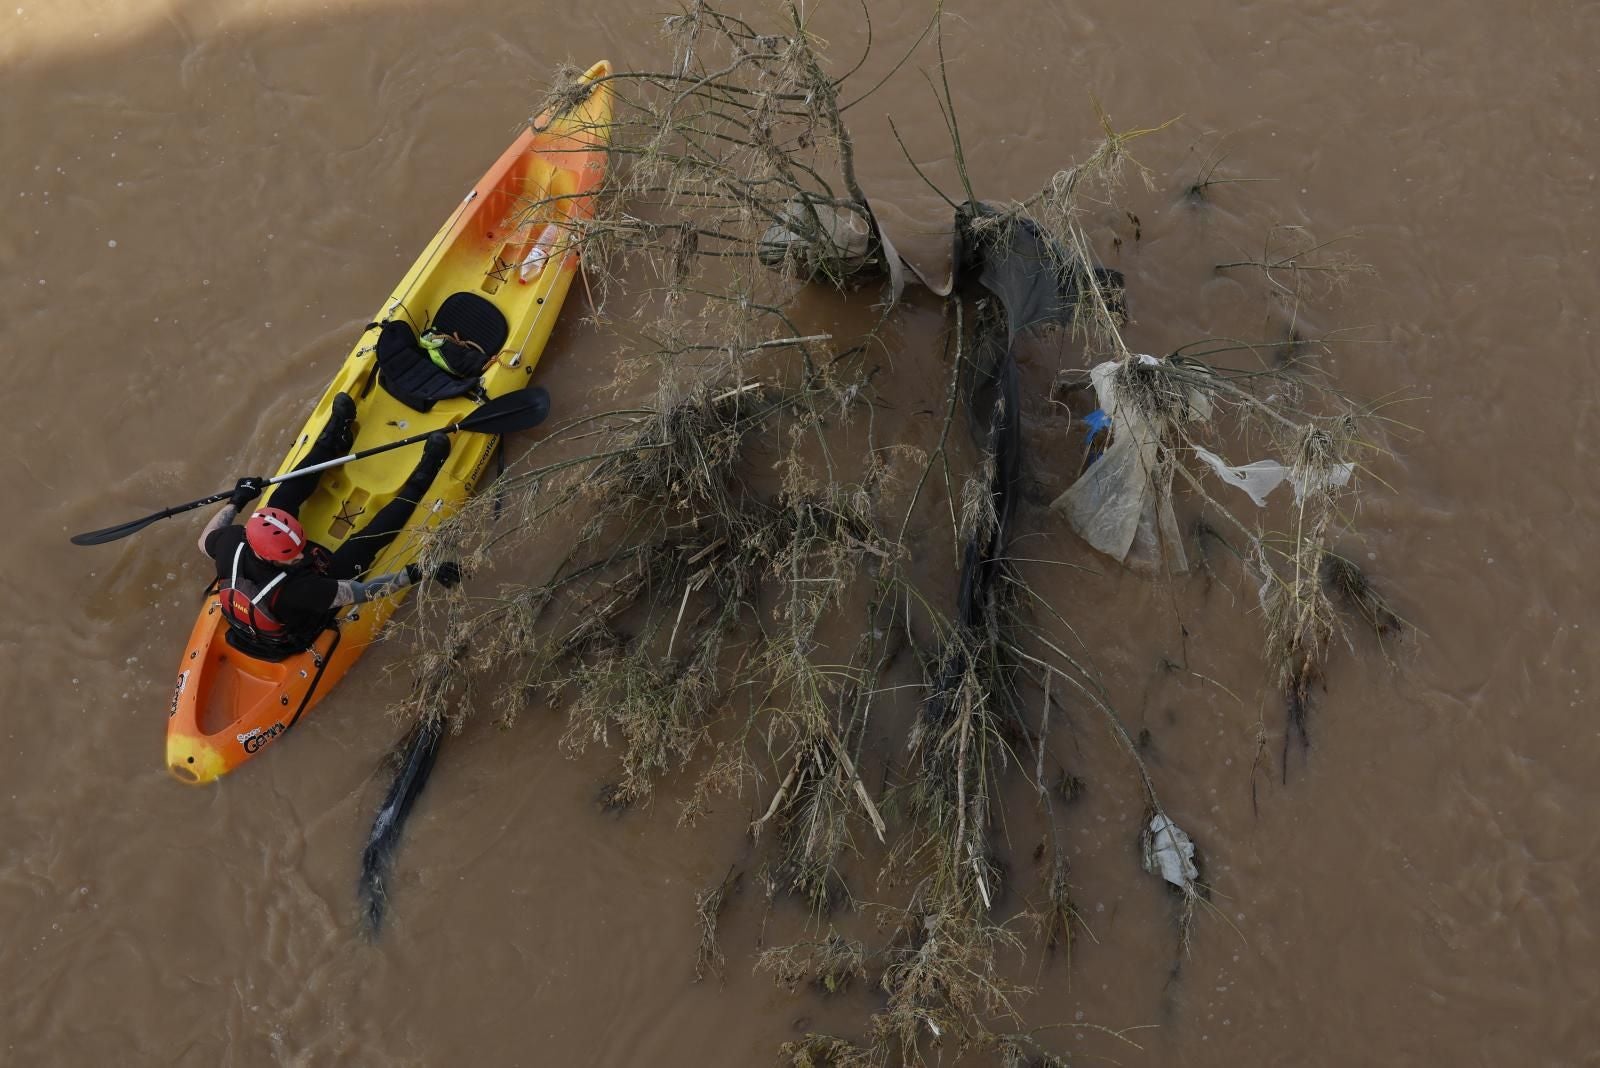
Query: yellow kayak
[(494, 277)]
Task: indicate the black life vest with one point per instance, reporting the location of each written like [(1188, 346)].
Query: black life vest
[(247, 594)]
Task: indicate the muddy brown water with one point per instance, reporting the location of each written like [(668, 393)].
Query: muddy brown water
[(204, 202)]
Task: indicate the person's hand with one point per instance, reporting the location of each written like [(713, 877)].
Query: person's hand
[(447, 574), (245, 491)]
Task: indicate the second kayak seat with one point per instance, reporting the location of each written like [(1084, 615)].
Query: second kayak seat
[(466, 333)]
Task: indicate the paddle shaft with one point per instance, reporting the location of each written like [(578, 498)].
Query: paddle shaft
[(519, 410), (99, 537), (341, 460)]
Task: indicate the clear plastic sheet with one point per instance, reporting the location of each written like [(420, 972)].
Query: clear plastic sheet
[(1122, 505)]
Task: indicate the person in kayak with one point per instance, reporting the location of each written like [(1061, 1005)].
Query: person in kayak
[(277, 588)]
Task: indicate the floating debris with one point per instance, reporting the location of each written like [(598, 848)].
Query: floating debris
[(749, 587), (1169, 853)]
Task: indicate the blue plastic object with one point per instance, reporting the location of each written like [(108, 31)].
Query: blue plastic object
[(1098, 423)]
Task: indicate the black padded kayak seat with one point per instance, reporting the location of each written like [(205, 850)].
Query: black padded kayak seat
[(405, 370), (473, 318)]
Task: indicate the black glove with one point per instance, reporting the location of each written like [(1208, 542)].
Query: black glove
[(245, 491), (413, 574), (447, 574)]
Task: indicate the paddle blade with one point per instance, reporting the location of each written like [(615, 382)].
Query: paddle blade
[(523, 409), (122, 530), (100, 537)]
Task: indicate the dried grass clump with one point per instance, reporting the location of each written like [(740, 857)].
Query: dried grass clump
[(827, 1051), (830, 964), (1056, 916), (1300, 616), (943, 979), (708, 906), (660, 709), (677, 549)]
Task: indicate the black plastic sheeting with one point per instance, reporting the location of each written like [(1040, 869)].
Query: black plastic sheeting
[(1036, 282)]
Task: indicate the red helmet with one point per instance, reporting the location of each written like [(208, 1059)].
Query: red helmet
[(275, 536)]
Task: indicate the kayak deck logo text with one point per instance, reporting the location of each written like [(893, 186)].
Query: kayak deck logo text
[(255, 739)]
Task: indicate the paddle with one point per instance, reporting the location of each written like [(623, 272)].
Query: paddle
[(519, 410)]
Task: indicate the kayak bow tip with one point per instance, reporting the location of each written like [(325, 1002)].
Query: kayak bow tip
[(193, 762)]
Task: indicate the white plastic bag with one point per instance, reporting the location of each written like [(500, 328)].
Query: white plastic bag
[(1122, 505), (1257, 479), (1169, 853), (1260, 478)]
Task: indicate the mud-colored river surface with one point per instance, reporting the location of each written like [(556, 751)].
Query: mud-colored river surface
[(205, 201)]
